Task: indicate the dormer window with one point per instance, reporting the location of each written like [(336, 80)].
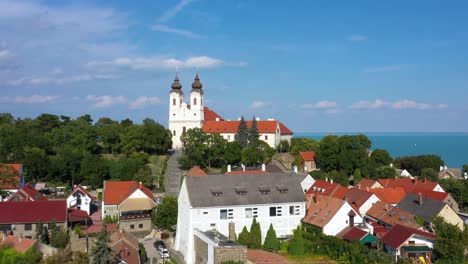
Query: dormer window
[(216, 192), (282, 188), (241, 190), (264, 189)]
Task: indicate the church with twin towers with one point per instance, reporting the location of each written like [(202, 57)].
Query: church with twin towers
[(185, 115)]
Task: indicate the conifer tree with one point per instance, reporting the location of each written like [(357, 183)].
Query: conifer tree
[(255, 240), (244, 237), (40, 231), (101, 252), (242, 135), (253, 133), (296, 248), (271, 241)]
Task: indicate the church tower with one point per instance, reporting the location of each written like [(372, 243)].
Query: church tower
[(183, 116)]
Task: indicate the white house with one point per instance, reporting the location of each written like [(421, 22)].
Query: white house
[(330, 214), (212, 202), (184, 116), (307, 182), (80, 199), (362, 200)]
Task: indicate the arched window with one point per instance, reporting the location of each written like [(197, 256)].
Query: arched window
[(183, 130), (173, 101), (194, 101), (174, 133)]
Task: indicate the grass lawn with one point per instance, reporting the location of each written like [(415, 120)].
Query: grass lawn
[(311, 259), (157, 165)]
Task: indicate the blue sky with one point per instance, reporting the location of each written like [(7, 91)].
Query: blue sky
[(318, 66)]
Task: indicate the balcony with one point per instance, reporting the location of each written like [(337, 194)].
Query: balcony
[(135, 215)]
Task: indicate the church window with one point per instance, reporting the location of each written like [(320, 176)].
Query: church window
[(266, 137), (195, 114), (174, 101), (183, 130), (174, 133), (194, 101)]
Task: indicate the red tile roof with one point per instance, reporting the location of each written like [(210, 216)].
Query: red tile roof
[(285, 130), (409, 184), (260, 256), (125, 246), (116, 192), (324, 187), (431, 194), (365, 183), (21, 245), (83, 190), (33, 212), (211, 115), (307, 155), (355, 234), (76, 215), (27, 193), (196, 171), (357, 197), (340, 192), (389, 195), (268, 127), (399, 234), (15, 182)]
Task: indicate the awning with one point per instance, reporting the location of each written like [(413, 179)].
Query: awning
[(416, 248), (136, 204), (369, 239)]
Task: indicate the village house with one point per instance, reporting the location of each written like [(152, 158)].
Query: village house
[(450, 173), (129, 201), (360, 200), (328, 188), (224, 202), (441, 196), (330, 214), (81, 199), (26, 193), (412, 184), (391, 195), (389, 216), (404, 241), (125, 247), (308, 160), (427, 209), (357, 234), (21, 218), (367, 184), (184, 116)]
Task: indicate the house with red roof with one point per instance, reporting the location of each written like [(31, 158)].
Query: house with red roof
[(131, 202), (21, 218), (404, 241), (19, 244), (81, 199), (441, 196), (26, 193), (185, 115), (125, 247), (411, 184), (11, 184), (360, 199), (357, 234), (392, 195), (308, 160), (367, 184), (196, 171), (388, 216)]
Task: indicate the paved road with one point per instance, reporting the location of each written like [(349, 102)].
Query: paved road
[(173, 175), (151, 252)]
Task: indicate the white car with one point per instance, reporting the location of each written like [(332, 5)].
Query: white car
[(164, 253)]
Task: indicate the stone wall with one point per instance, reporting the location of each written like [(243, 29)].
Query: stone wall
[(20, 230), (201, 251), (137, 225), (233, 253)]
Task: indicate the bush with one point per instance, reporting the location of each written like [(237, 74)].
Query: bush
[(271, 241), (243, 238), (255, 237), (296, 247)]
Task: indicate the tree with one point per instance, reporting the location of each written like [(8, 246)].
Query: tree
[(250, 156), (59, 239), (271, 241), (253, 134), (303, 144), (242, 135), (327, 153), (101, 252), (283, 146), (450, 242), (143, 255), (232, 153), (36, 163), (380, 157), (458, 189), (255, 235), (352, 152), (244, 236), (465, 168), (144, 176), (339, 177), (296, 248), (166, 214), (357, 176), (386, 172), (430, 174), (415, 164)]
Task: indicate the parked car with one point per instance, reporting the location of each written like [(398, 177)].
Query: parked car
[(164, 253), (159, 245)]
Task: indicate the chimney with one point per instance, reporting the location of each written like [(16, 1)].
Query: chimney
[(425, 180), (229, 168), (331, 180), (295, 169), (243, 167), (326, 179), (420, 199), (305, 168), (316, 194), (367, 189), (232, 231), (217, 119), (359, 186), (263, 167), (445, 167), (125, 252), (386, 207), (415, 180), (140, 185)]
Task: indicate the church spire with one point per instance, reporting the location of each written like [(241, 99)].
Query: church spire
[(176, 86), (197, 85)]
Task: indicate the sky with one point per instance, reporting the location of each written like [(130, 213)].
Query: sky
[(318, 66)]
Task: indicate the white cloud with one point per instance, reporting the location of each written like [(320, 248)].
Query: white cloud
[(57, 81), (158, 63), (4, 54), (357, 38), (172, 12), (258, 104), (320, 105), (182, 32), (105, 101), (387, 68), (29, 99), (144, 100), (402, 104)]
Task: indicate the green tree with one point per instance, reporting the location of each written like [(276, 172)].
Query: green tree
[(195, 143), (450, 242), (339, 177), (101, 253), (232, 153), (59, 239), (357, 176), (166, 214), (253, 134), (430, 174), (283, 146), (296, 247), (36, 163), (94, 170), (381, 157), (352, 152), (40, 231), (415, 164), (250, 156), (458, 189), (465, 168), (242, 135), (386, 172), (255, 235), (143, 255), (244, 236), (144, 176), (271, 241), (327, 153), (303, 144)]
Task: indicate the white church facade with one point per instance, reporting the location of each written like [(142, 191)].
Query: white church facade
[(184, 116)]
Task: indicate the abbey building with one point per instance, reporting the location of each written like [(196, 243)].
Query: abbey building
[(184, 116)]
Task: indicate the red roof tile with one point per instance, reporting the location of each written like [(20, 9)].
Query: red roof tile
[(76, 215), (364, 184), (268, 127), (355, 234), (399, 234), (357, 197), (323, 187), (33, 212), (27, 193), (340, 192), (21, 245), (211, 115), (285, 130), (307, 155), (389, 195), (196, 171), (409, 184), (117, 191), (431, 194)]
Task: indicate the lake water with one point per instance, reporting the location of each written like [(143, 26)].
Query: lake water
[(452, 147)]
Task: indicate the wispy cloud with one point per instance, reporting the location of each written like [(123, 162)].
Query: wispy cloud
[(259, 104), (105, 101), (157, 63), (31, 81), (320, 105), (28, 99), (144, 100), (182, 32), (387, 68), (402, 104), (357, 38), (4, 54), (172, 12)]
